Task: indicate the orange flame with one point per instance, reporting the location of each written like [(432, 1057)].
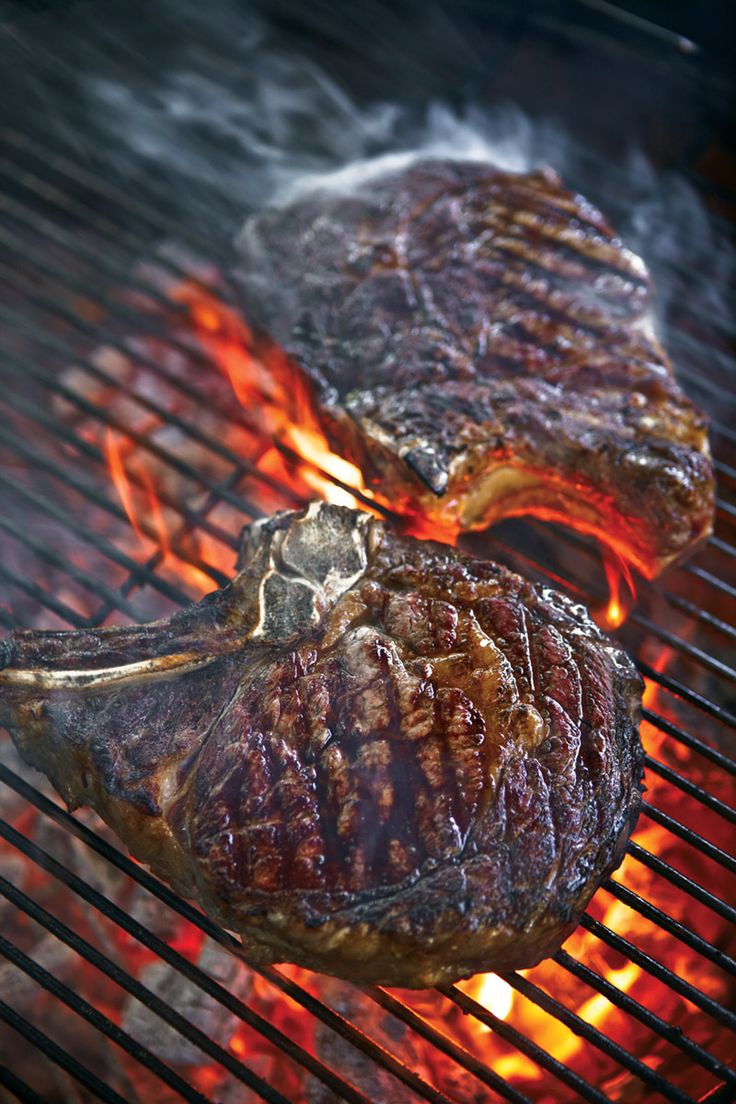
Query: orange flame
[(275, 398), (116, 468), (116, 448), (620, 581)]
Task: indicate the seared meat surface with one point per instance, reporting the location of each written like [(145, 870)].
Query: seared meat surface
[(480, 344), (368, 755)]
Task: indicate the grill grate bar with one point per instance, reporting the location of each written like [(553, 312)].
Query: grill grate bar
[(238, 463), (50, 601), (101, 1022), (44, 552), (168, 458), (79, 248), (704, 896), (101, 544), (235, 417), (644, 1015), (668, 924), (679, 339), (710, 753), (725, 470), (569, 536), (117, 234), (719, 324), (93, 495), (125, 277), (92, 492), (649, 626), (99, 183), (695, 612), (60, 1058), (726, 508), (724, 361), (662, 973), (286, 985), (140, 321), (597, 1039), (722, 546), (690, 788), (143, 994), (711, 580), (692, 697), (702, 845)]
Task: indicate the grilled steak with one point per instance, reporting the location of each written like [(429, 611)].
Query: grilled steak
[(369, 755), (480, 344)]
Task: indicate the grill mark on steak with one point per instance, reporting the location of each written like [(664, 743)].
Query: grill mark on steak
[(509, 303), (400, 764)]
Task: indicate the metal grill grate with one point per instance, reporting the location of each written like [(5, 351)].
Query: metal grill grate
[(69, 293)]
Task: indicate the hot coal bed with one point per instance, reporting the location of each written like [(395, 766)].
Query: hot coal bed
[(138, 436)]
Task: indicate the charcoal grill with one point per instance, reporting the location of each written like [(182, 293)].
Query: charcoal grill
[(91, 243)]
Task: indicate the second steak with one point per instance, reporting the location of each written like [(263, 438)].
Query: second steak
[(480, 344)]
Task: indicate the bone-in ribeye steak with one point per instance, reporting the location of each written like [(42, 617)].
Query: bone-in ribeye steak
[(369, 755), (480, 344)]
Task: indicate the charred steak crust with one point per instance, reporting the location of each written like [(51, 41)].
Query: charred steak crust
[(480, 344), (369, 755)]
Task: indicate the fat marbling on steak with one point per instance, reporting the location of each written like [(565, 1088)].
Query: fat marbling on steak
[(369, 755), (480, 344)]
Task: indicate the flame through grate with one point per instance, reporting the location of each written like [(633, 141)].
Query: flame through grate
[(132, 450)]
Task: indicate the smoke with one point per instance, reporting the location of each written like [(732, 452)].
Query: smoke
[(285, 126), (237, 115)]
